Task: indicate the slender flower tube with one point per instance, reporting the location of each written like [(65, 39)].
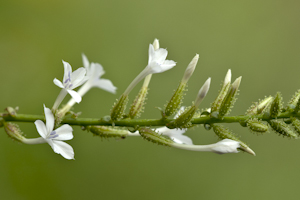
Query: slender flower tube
[(221, 147), (93, 72), (53, 137), (71, 81), (157, 63)]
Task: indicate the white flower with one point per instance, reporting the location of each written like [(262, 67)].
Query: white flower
[(54, 137), (94, 71), (157, 63), (71, 81)]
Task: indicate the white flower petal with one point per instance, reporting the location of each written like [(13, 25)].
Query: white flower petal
[(168, 64), (67, 71), (64, 132), (78, 77), (64, 149), (41, 128), (75, 95), (86, 62), (96, 70), (105, 84), (49, 119), (151, 54), (160, 55), (58, 83)]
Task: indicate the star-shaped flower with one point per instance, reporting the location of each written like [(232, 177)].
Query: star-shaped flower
[(55, 137), (94, 71), (72, 80)]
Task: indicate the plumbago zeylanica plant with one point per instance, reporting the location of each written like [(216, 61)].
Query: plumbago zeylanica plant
[(55, 126)]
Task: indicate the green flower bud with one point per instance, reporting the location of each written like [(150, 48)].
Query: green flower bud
[(293, 102), (177, 97), (137, 106), (282, 128), (176, 100), (183, 120), (224, 133), (119, 108), (222, 94), (230, 99), (154, 137), (257, 126), (276, 106), (296, 124), (108, 132), (13, 131), (260, 107)]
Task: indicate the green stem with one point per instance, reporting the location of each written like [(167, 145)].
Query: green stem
[(142, 122)]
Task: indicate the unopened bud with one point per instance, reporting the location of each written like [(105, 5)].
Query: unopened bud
[(293, 102), (230, 99), (13, 131), (190, 69), (257, 126), (222, 94), (282, 128), (184, 119), (260, 107), (107, 132), (224, 133), (138, 104), (119, 108), (154, 137), (296, 124), (276, 106), (156, 44)]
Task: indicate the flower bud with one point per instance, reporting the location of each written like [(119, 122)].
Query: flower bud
[(282, 128), (260, 107), (108, 132), (221, 96), (119, 108), (154, 137), (177, 97), (276, 106), (296, 124), (230, 99), (257, 126), (137, 106), (13, 131), (183, 119), (224, 133), (293, 102)]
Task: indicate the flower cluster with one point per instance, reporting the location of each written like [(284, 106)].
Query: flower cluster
[(89, 76)]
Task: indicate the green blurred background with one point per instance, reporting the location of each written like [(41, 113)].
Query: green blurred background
[(258, 40)]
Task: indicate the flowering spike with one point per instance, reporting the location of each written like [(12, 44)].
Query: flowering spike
[(257, 126), (260, 107), (108, 132), (230, 99), (183, 119), (119, 108), (276, 106), (221, 96), (154, 137), (224, 133), (282, 128)]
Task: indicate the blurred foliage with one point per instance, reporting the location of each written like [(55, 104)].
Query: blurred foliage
[(258, 40)]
